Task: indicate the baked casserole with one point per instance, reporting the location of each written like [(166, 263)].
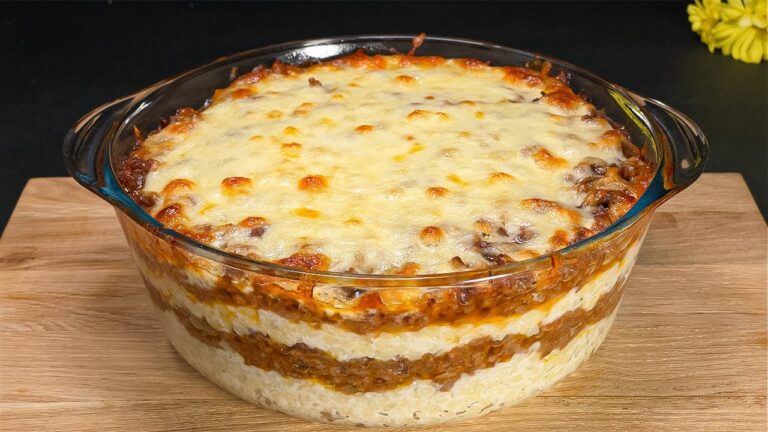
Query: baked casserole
[(386, 198)]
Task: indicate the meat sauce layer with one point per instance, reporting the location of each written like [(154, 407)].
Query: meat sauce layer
[(373, 310), (373, 375)]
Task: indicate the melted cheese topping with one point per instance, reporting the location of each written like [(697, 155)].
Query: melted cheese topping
[(382, 168)]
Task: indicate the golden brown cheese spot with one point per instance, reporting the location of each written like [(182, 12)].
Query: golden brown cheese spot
[(545, 159), (253, 77), (313, 183), (313, 82), (437, 192), (479, 115), (563, 98), (201, 234), (571, 214), (235, 185), (415, 148), (522, 76), (353, 221), (252, 221), (338, 97), (183, 121), (274, 114), (242, 93), (170, 215), (559, 240), (256, 138), (306, 260), (407, 269), (178, 186), (256, 224), (291, 149), (325, 121), (232, 94), (417, 114), (218, 94), (427, 114), (431, 235), (540, 205), (463, 134), (287, 70), (485, 227), (306, 106), (472, 64), (291, 131), (551, 207), (611, 138), (405, 79), (362, 129), (429, 97), (359, 59), (424, 62), (306, 213), (500, 176)]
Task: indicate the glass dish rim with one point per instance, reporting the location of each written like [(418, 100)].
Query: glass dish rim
[(654, 195)]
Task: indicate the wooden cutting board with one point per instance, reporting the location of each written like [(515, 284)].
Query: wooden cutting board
[(80, 348)]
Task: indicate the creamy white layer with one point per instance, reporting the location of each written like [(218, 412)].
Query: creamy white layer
[(419, 403), (346, 345)]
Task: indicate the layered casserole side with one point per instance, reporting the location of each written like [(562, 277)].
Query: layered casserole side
[(400, 165)]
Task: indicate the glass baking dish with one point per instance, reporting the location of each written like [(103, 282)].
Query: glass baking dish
[(465, 344)]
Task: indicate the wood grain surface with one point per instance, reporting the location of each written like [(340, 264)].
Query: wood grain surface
[(80, 348)]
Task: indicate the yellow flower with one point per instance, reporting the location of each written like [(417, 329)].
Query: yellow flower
[(704, 16), (738, 28), (742, 34)]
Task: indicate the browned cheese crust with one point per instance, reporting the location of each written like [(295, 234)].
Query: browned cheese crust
[(607, 190)]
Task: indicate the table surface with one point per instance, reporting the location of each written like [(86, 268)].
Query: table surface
[(80, 348), (104, 50)]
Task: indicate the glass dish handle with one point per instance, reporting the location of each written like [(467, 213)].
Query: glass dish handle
[(84, 145), (686, 142)]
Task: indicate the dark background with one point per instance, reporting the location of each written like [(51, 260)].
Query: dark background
[(61, 60)]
